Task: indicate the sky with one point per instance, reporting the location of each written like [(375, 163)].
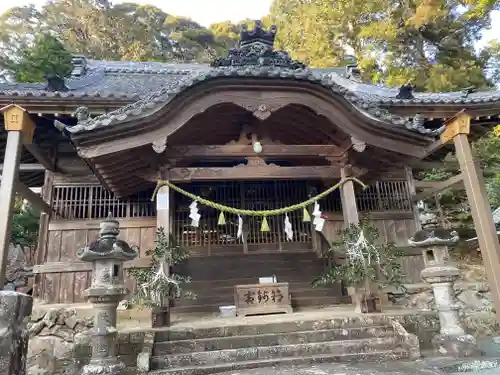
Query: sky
[(206, 12)]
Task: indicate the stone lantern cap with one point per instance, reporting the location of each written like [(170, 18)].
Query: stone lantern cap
[(108, 247), (433, 237)]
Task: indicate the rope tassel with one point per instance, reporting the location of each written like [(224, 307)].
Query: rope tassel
[(265, 226), (307, 216), (222, 219)]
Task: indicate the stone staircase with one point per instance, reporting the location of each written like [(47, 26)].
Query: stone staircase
[(213, 279), (199, 351)]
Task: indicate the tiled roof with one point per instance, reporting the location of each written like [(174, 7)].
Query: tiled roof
[(386, 95), (153, 84), (117, 79), (331, 80), (110, 79), (134, 80)]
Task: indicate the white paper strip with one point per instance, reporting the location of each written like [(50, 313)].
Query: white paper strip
[(318, 221), (194, 215), (288, 228), (240, 227), (320, 224), (316, 211)]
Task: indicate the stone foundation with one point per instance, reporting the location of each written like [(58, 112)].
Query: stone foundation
[(474, 298), (60, 340)]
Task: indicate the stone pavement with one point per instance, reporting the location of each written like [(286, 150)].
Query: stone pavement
[(420, 367)]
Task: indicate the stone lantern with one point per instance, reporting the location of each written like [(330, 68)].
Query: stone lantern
[(441, 275), (107, 289)]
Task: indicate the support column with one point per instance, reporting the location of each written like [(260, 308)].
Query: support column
[(351, 216), (14, 307), (348, 199), (413, 191), (457, 129), (161, 315), (10, 175)]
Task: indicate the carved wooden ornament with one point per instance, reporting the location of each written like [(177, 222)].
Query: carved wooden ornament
[(357, 145), (160, 145)]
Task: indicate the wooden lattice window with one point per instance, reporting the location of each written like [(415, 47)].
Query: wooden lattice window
[(248, 195), (95, 202)]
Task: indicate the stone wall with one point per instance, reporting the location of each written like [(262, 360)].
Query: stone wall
[(474, 300), (60, 341)]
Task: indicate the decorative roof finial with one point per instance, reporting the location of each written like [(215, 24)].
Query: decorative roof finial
[(256, 48), (257, 35), (406, 92)]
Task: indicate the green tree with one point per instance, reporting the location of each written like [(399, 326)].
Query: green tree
[(25, 224), (46, 55), (430, 43)]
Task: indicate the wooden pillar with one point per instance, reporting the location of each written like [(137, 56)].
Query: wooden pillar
[(457, 129), (413, 191), (43, 231), (161, 315), (348, 199), (20, 129)]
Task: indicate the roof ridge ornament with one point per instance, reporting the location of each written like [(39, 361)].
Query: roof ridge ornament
[(256, 48), (406, 92), (257, 35)]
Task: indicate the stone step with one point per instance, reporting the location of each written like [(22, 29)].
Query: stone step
[(262, 326), (212, 358), (272, 339), (375, 356), (193, 307)]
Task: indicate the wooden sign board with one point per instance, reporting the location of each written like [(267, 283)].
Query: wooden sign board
[(258, 299)]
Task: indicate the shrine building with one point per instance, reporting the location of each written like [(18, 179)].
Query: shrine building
[(255, 130)]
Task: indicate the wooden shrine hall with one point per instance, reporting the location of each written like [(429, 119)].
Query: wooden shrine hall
[(255, 130)]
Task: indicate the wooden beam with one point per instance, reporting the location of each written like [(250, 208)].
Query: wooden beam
[(432, 148), (254, 173), (27, 167), (427, 165), (238, 150), (35, 199), (41, 156), (438, 187)]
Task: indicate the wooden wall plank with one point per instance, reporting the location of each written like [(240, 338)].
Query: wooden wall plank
[(52, 282), (68, 254), (80, 278), (147, 239)]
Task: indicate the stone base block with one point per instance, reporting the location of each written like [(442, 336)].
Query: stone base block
[(160, 317), (15, 309), (455, 345), (104, 369)]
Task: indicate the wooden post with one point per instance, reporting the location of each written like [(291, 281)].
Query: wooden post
[(457, 129), (413, 191), (43, 232), (161, 315), (20, 129), (348, 199)]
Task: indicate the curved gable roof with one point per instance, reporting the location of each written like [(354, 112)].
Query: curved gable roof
[(332, 81)]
